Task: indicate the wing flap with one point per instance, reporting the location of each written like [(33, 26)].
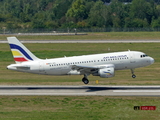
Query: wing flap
[(90, 69)]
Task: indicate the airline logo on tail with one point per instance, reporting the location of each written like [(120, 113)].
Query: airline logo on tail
[(19, 51), (19, 54)]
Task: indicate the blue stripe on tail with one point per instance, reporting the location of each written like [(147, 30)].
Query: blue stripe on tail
[(13, 46)]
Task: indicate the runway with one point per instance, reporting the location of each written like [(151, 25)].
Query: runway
[(81, 90), (86, 41)]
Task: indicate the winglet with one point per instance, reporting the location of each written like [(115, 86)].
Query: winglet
[(19, 51)]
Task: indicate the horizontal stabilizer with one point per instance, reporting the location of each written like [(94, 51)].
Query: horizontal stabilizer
[(18, 67)]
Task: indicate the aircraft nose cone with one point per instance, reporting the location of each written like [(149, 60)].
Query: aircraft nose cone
[(151, 60)]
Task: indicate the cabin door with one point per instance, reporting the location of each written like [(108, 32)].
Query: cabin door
[(132, 57)]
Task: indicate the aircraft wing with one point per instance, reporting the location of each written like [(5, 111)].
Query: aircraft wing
[(90, 69)]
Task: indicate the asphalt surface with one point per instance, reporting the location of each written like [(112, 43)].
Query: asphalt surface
[(86, 41), (81, 90)]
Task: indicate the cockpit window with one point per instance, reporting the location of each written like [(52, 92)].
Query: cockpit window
[(144, 55)]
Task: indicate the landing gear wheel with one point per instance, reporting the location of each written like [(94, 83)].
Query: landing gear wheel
[(133, 76), (85, 80)]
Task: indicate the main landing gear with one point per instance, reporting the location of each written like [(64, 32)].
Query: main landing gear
[(85, 79), (133, 75)]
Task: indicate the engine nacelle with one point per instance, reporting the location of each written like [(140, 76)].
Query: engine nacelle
[(106, 72)]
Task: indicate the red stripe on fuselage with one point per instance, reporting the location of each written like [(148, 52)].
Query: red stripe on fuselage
[(20, 59)]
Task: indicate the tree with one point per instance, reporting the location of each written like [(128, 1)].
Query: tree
[(136, 23), (157, 11), (78, 10), (79, 13), (156, 23), (142, 10), (97, 15), (117, 14), (60, 8), (39, 20), (51, 25)]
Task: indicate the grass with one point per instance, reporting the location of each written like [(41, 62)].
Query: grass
[(145, 76), (95, 36), (80, 107), (77, 108)]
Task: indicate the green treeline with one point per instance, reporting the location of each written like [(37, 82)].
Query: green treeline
[(52, 14)]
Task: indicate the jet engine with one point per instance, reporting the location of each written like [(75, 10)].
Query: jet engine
[(106, 72)]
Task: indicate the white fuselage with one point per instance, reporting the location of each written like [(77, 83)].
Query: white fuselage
[(63, 66)]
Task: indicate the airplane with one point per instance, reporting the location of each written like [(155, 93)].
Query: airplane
[(103, 65)]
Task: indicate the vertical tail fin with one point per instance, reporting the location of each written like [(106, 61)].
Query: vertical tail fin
[(19, 51)]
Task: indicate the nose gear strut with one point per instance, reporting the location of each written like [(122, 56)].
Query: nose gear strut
[(133, 75)]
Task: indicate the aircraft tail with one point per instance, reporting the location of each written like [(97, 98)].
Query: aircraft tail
[(19, 51)]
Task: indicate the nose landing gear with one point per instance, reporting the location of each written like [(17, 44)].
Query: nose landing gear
[(133, 75)]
